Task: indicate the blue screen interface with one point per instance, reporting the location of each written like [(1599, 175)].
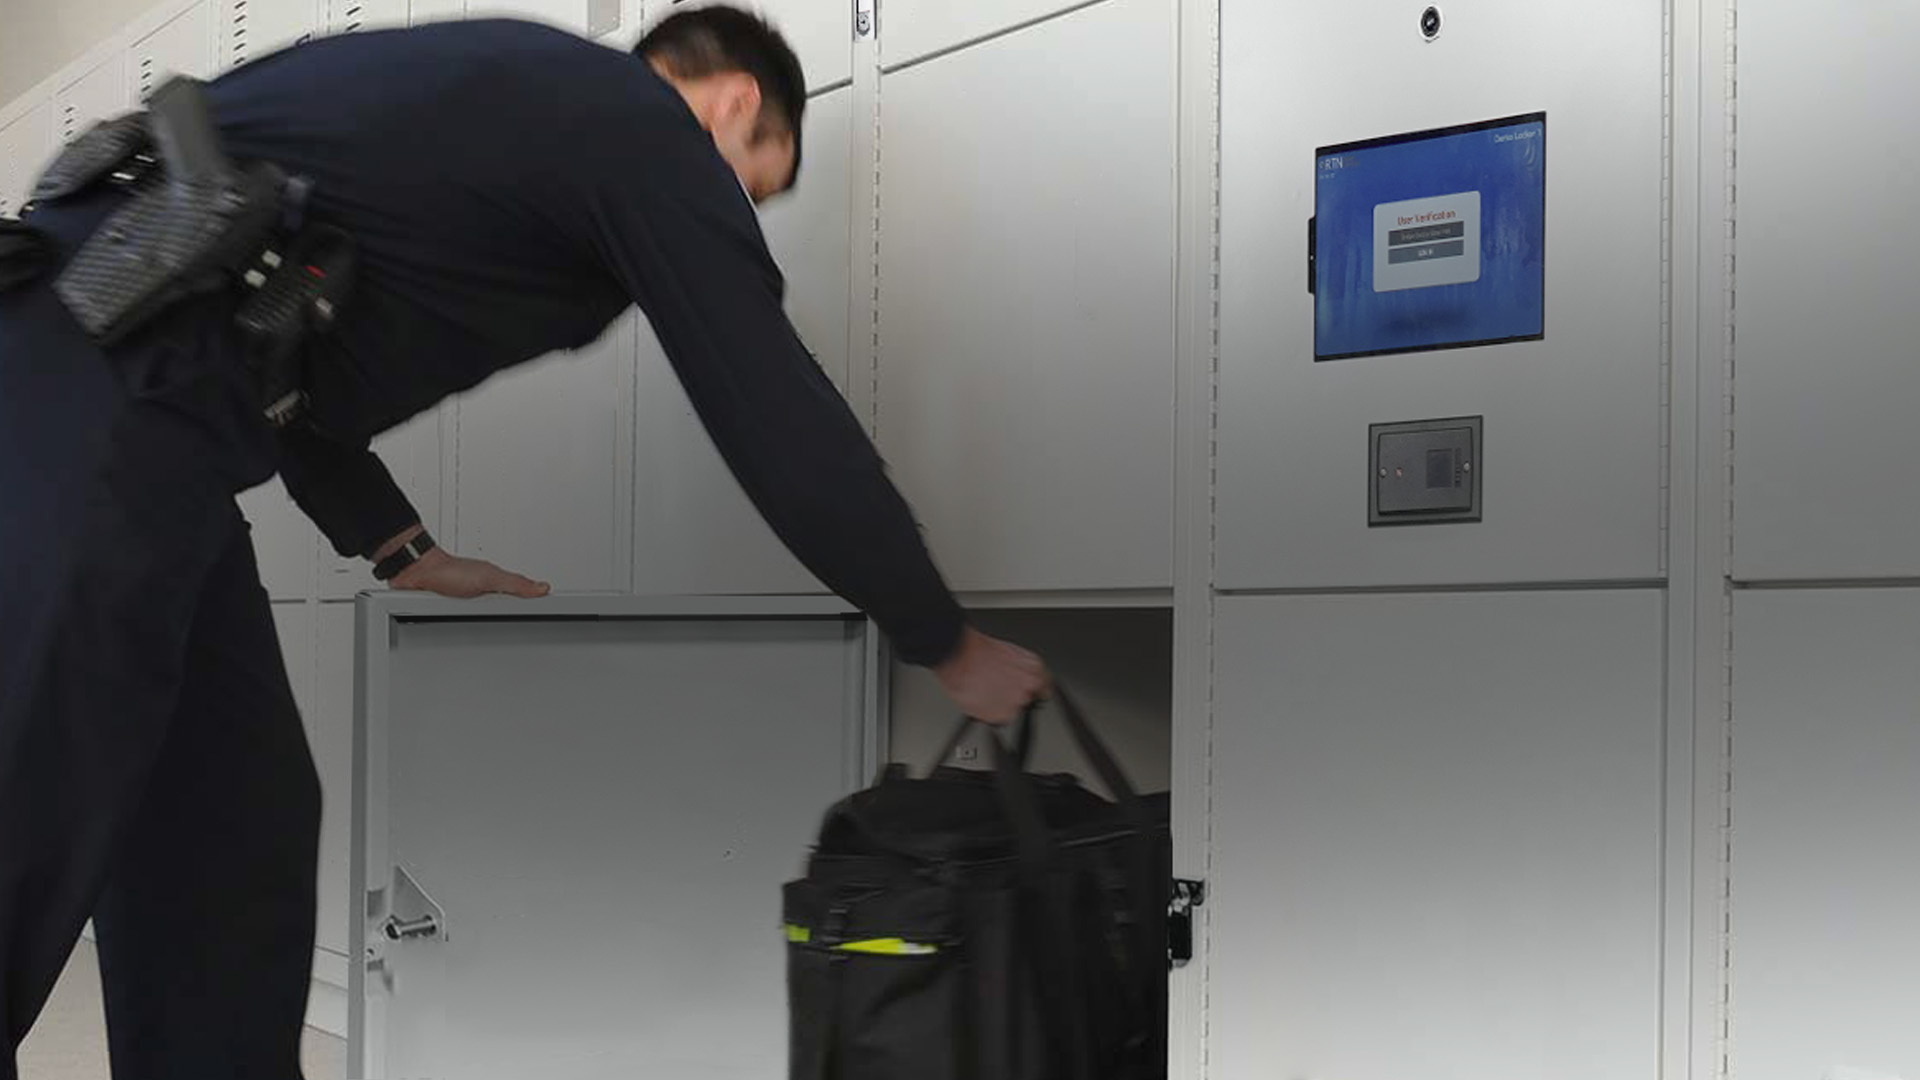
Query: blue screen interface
[(1432, 241)]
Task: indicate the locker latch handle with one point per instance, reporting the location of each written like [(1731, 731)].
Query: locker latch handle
[(398, 930), (1187, 895)]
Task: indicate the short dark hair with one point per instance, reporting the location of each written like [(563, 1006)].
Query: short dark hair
[(717, 40)]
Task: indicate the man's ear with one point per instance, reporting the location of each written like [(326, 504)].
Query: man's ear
[(741, 101)]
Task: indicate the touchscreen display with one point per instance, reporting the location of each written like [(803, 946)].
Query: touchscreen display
[(1434, 240)]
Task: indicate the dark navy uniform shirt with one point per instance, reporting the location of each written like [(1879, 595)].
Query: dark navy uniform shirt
[(513, 189)]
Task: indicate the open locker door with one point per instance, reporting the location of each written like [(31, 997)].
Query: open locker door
[(573, 817)]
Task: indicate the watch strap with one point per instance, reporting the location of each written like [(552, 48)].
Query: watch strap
[(410, 552)]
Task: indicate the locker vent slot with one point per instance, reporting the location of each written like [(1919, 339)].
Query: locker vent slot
[(146, 77), (68, 122), (239, 32), (353, 17)]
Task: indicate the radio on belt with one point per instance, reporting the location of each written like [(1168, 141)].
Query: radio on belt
[(295, 294)]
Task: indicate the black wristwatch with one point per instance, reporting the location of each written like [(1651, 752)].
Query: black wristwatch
[(389, 568)]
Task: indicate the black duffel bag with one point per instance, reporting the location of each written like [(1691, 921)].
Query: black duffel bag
[(976, 925)]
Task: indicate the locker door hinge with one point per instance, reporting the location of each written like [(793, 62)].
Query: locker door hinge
[(1187, 895), (865, 14)]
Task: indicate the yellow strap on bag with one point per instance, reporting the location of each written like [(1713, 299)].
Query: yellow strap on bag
[(800, 935)]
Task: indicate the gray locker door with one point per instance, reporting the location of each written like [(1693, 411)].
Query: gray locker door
[(1436, 837), (251, 29), (184, 46), (603, 796), (26, 142), (1025, 378), (92, 97), (1824, 944), (556, 509)]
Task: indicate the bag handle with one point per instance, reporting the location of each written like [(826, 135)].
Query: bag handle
[(1024, 748), (1095, 750)]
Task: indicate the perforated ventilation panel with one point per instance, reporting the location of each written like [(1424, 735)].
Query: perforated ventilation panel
[(24, 145), (184, 46), (255, 28), (95, 96)]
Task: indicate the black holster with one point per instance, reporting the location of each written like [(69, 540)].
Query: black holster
[(198, 223)]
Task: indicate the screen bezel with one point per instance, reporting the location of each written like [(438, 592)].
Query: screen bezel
[(1322, 153)]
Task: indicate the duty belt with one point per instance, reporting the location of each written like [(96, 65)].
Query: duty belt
[(198, 223)]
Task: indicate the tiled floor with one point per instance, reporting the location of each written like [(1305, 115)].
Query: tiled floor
[(70, 1040)]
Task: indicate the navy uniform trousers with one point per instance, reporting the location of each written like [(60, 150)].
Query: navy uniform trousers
[(154, 773)]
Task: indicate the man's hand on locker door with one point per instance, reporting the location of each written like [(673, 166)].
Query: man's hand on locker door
[(991, 680), (464, 579)]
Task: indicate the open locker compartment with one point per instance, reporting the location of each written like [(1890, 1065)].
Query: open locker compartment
[(1117, 662), (1114, 655), (576, 815)]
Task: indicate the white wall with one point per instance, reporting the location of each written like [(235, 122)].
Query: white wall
[(38, 37)]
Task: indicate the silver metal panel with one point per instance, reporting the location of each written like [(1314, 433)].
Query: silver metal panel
[(544, 452), (1026, 301), (1825, 947), (94, 96), (694, 530), (26, 144), (1573, 423), (603, 794), (1437, 837), (1826, 353), (184, 46), (914, 29)]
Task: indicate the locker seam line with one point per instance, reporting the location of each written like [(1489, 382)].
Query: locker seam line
[(1731, 90), (1666, 287), (1213, 500), (873, 252), (988, 37)]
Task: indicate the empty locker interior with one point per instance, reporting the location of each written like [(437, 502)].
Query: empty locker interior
[(1615, 781)]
